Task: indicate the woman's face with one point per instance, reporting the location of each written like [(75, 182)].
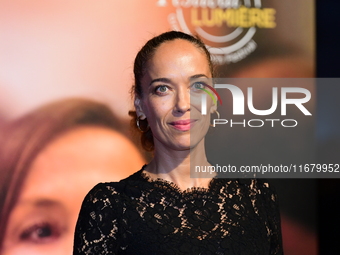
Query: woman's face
[(171, 99), (43, 220)]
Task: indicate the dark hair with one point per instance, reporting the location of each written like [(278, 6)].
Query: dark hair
[(23, 139), (140, 66)]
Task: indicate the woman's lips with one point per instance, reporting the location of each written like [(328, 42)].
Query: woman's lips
[(182, 125)]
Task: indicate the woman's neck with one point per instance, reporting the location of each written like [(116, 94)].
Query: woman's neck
[(178, 166)]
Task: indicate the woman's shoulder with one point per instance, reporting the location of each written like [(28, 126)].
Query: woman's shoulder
[(106, 190), (261, 191), (265, 188), (251, 186), (258, 184)]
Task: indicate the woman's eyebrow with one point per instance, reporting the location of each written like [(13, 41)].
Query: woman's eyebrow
[(40, 202), (165, 80), (196, 76)]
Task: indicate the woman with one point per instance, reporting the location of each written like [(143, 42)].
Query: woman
[(50, 158), (160, 209)]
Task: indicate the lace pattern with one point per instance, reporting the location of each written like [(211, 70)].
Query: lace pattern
[(143, 216)]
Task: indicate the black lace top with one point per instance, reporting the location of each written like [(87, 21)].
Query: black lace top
[(142, 216)]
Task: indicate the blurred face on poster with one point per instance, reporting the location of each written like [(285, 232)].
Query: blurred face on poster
[(44, 217)]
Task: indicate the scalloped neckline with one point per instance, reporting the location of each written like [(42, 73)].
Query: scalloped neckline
[(174, 186)]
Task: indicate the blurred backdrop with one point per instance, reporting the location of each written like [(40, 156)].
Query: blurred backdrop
[(52, 50)]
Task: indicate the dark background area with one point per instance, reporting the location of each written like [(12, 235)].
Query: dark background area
[(328, 125)]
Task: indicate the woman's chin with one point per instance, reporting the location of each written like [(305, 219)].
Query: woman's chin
[(186, 144)]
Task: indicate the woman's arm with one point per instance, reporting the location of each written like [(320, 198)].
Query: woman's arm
[(274, 220), (97, 226)]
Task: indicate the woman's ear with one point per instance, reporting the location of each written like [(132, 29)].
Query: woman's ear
[(213, 107), (139, 109)]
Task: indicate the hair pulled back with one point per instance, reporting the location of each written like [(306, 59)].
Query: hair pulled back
[(140, 67)]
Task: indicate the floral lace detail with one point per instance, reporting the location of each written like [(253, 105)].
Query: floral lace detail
[(139, 215), (171, 185)]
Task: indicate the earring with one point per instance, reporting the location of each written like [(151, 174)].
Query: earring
[(218, 116), (141, 126)]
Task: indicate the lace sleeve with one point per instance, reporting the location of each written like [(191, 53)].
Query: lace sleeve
[(97, 226), (274, 221)]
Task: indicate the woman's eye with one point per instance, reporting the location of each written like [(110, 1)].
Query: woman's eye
[(198, 86), (40, 233), (161, 89)]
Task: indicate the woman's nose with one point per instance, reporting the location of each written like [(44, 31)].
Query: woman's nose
[(182, 103)]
